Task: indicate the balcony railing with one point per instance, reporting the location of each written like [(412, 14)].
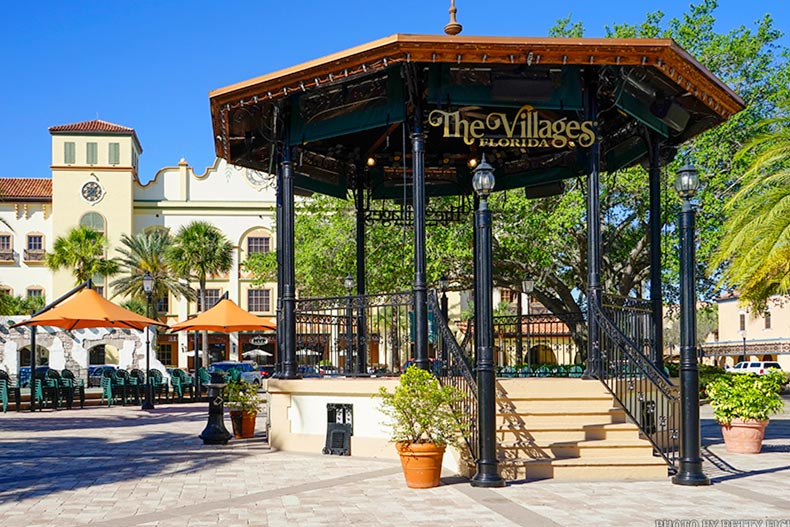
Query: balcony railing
[(35, 255), (7, 255)]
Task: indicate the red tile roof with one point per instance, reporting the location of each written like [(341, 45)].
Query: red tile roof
[(96, 125), (25, 189)]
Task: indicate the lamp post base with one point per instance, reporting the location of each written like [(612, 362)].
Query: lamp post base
[(215, 432), (148, 400), (690, 479)]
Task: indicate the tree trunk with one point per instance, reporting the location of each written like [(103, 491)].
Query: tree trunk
[(204, 334)]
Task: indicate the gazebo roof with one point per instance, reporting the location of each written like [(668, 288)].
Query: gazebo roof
[(347, 108)]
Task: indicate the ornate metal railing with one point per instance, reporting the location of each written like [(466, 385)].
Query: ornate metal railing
[(378, 326), (456, 370), (634, 318), (651, 401)]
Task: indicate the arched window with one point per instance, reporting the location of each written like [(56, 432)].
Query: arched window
[(94, 221)]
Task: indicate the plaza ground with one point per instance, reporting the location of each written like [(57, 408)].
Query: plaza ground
[(122, 467)]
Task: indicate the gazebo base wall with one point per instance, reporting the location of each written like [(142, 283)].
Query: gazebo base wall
[(298, 417)]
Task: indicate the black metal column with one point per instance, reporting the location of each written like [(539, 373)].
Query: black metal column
[(487, 474), (33, 331), (289, 370), (420, 287), (278, 368), (656, 293), (690, 471), (593, 234), (361, 366), (519, 338)]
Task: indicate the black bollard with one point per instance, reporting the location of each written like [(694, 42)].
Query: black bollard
[(215, 432)]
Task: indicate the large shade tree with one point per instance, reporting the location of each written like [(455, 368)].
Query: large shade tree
[(82, 251), (200, 250)]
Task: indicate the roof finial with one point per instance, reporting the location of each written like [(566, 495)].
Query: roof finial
[(453, 27)]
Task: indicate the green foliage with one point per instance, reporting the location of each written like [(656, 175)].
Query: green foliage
[(82, 250), (421, 409), (755, 249), (746, 396), (146, 252), (20, 305), (135, 306), (242, 396), (198, 250)]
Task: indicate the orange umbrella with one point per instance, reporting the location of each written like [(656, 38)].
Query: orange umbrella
[(224, 317), (88, 309)]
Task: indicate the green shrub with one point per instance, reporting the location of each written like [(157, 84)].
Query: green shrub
[(745, 396), (421, 409)]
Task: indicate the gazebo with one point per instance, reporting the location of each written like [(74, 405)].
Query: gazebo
[(408, 117)]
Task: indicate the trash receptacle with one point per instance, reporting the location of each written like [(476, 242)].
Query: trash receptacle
[(339, 429)]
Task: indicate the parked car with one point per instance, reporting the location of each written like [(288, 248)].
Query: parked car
[(249, 372), (760, 368), (24, 374), (96, 372)]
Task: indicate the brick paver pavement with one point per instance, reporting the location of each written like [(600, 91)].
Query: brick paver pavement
[(124, 467)]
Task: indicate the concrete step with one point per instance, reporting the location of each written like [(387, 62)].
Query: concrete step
[(601, 468), (549, 416), (549, 387), (584, 448), (567, 404), (547, 433)]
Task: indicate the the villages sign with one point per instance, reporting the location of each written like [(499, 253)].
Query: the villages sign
[(525, 129)]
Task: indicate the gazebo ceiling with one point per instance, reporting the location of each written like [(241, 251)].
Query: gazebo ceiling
[(519, 100)]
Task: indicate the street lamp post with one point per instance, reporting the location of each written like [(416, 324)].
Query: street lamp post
[(148, 287), (690, 471), (443, 283), (487, 474), (743, 335), (528, 286), (349, 285)]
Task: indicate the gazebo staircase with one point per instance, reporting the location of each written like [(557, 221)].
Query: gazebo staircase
[(623, 426)]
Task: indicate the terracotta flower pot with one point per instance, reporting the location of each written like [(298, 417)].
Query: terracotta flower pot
[(243, 424), (422, 464), (744, 437)]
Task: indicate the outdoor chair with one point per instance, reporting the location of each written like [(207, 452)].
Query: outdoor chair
[(181, 382), (69, 384), (203, 379), (508, 371), (558, 371), (106, 387), (121, 382), (525, 371), (137, 384), (575, 371), (159, 385), (233, 375), (8, 391), (52, 387), (4, 394), (542, 371)]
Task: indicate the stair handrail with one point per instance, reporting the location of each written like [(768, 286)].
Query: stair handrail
[(457, 371), (648, 397)]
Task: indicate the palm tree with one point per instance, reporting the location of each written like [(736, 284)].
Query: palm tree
[(146, 252), (755, 250), (83, 251), (198, 250)]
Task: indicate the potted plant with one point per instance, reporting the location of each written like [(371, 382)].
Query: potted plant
[(423, 422), (244, 404), (742, 404)]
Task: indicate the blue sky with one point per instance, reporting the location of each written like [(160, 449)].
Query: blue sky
[(150, 64)]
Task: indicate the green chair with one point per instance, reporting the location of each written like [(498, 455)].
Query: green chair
[(136, 382), (542, 371), (52, 387), (4, 395), (203, 380), (181, 382), (234, 375), (575, 371), (508, 371), (525, 371), (70, 384), (160, 387), (106, 387)]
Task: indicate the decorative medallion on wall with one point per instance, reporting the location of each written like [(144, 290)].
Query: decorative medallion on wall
[(258, 179), (92, 191)]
